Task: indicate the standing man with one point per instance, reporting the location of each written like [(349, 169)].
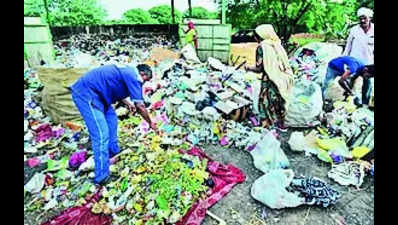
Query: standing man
[(94, 93), (347, 67), (360, 42)]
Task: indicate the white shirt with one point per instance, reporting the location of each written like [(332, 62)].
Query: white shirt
[(360, 45)]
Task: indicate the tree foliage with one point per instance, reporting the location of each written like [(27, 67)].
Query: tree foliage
[(200, 13), (138, 16), (162, 14), (33, 8), (289, 16), (67, 12)]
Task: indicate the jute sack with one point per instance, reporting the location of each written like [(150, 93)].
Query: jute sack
[(56, 98)]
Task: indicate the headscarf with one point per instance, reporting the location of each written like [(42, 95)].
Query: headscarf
[(191, 25), (275, 60), (267, 33), (365, 12)]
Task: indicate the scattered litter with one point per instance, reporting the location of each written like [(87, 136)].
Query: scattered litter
[(348, 173)]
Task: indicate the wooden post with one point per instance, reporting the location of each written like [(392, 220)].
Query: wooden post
[(223, 10), (172, 11), (190, 8)]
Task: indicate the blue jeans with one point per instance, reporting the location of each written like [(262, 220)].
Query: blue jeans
[(366, 91), (331, 75), (102, 128)]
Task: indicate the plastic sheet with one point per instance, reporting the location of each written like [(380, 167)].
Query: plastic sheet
[(81, 215), (225, 177)]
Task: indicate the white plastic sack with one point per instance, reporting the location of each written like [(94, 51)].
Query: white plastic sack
[(270, 189), (305, 104), (268, 155), (189, 54), (36, 183)]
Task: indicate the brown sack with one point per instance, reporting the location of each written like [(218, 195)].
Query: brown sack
[(56, 98)]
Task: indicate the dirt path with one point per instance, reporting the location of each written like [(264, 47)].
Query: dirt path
[(353, 208)]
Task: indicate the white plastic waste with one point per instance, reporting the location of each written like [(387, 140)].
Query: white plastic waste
[(297, 142), (270, 189), (36, 183), (268, 155)]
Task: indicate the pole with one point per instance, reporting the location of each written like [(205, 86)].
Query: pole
[(190, 8), (172, 11), (46, 7), (223, 10)]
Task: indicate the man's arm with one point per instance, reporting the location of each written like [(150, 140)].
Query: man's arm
[(344, 83), (129, 104), (143, 112)]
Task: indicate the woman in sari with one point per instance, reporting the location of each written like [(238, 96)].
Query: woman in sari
[(277, 77)]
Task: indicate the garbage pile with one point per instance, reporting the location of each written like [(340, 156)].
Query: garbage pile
[(107, 49), (157, 179)]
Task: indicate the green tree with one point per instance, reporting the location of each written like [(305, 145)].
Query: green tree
[(288, 16), (67, 12), (76, 12), (138, 16), (33, 8), (200, 13), (162, 14)]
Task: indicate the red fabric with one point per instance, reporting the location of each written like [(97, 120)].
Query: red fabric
[(81, 215), (224, 177)]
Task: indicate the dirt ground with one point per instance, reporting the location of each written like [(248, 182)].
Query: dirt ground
[(239, 208)]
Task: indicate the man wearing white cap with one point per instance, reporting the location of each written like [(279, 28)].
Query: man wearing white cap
[(360, 42)]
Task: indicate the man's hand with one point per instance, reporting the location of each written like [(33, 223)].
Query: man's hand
[(132, 108), (130, 105)]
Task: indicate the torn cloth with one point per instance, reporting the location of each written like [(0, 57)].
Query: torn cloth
[(315, 191), (224, 177)]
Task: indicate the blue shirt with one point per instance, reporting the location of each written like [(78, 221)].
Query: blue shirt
[(105, 85), (341, 63)]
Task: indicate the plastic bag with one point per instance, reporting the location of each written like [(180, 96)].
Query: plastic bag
[(334, 145), (268, 155), (305, 104), (36, 183), (270, 189), (77, 159), (359, 152), (297, 142)]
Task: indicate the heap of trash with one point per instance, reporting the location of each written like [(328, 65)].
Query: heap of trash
[(161, 178)]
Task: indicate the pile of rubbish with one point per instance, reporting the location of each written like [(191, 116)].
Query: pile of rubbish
[(90, 50), (165, 178)]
